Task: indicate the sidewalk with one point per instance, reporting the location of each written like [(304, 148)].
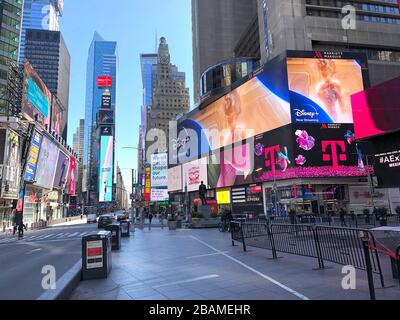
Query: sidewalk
[(202, 265)]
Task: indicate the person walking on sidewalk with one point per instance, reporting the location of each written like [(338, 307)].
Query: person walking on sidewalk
[(150, 219), (342, 214), (21, 228)]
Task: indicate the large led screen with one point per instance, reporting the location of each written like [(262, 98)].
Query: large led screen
[(311, 150), (46, 167), (320, 89), (193, 173), (72, 175), (259, 105), (377, 110), (33, 157), (175, 179), (61, 171), (58, 117), (36, 98), (11, 166), (159, 195), (159, 170), (106, 168)]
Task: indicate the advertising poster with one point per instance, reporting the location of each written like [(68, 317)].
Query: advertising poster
[(106, 100), (106, 131), (104, 81), (159, 170), (33, 157), (62, 168), (11, 167), (106, 116), (231, 167), (58, 119), (159, 195), (248, 198), (259, 105), (320, 89), (193, 173), (94, 254), (313, 150), (106, 168), (175, 179), (374, 109), (36, 99), (3, 137), (46, 166)]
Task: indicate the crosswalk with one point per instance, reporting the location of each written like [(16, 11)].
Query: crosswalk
[(48, 237)]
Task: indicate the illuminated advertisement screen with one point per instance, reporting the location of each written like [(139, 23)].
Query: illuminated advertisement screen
[(224, 196), (58, 119), (36, 98), (106, 100), (175, 179), (11, 166), (61, 171), (46, 166), (33, 157), (104, 81), (193, 173), (106, 116), (106, 168), (231, 167), (158, 195), (311, 150), (147, 185), (259, 105), (159, 170), (375, 109), (248, 198), (320, 89), (72, 175)]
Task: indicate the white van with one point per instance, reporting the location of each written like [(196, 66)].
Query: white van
[(91, 218)]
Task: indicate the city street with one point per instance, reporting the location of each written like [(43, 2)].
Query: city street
[(202, 265), (22, 260)]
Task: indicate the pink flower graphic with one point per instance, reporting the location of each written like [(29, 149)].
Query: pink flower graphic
[(305, 141), (300, 160)]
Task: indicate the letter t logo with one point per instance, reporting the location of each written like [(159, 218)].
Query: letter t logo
[(270, 157), (333, 157)]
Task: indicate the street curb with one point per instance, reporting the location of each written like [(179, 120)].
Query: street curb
[(65, 285)]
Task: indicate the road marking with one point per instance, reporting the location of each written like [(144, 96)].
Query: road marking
[(34, 250), (83, 234), (73, 235), (211, 276), (292, 291), (48, 236), (206, 255)]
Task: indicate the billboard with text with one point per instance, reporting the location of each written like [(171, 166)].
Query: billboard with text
[(106, 168)]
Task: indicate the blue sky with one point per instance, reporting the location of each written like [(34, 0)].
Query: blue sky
[(133, 24)]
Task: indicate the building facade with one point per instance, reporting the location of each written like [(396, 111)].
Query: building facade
[(39, 15), (101, 65), (321, 25), (10, 17), (78, 142), (170, 97), (217, 26), (48, 54)]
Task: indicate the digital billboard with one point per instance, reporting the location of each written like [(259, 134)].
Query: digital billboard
[(60, 179), (147, 184), (175, 179), (307, 150), (320, 89), (159, 170), (231, 167), (193, 173), (46, 166), (376, 110), (106, 100), (104, 81), (33, 156), (72, 175), (58, 119), (259, 105), (11, 166), (105, 117), (106, 131), (159, 195), (36, 99), (106, 168)]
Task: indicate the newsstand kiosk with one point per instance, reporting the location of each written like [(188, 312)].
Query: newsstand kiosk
[(96, 255)]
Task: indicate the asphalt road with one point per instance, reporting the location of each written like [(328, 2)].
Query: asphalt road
[(22, 261)]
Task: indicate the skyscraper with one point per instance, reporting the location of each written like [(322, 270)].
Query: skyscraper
[(147, 61), (170, 96), (40, 15), (48, 54), (10, 17), (217, 28), (319, 25), (100, 74), (78, 142)]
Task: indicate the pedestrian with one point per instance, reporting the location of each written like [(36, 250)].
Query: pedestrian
[(150, 219), (342, 213), (21, 228), (202, 193), (162, 216)]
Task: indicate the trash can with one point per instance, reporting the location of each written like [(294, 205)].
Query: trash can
[(96, 256), (115, 230), (125, 228)]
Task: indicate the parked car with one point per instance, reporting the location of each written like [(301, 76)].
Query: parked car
[(91, 218), (120, 216), (105, 220)]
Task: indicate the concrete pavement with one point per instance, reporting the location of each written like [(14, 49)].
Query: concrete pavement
[(202, 265)]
